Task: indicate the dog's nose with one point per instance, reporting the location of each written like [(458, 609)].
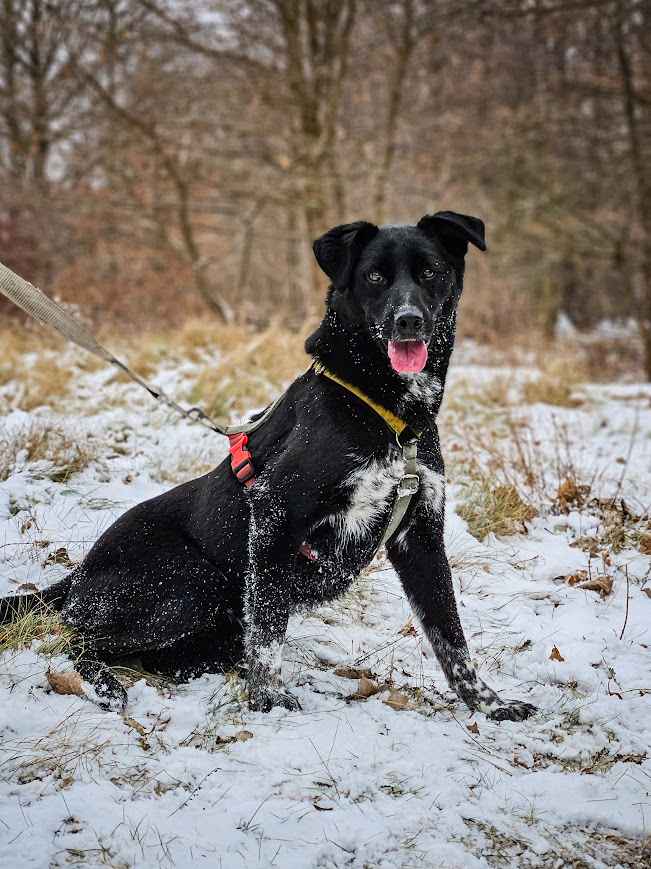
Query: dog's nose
[(409, 323)]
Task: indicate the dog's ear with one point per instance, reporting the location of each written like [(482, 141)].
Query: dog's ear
[(338, 250), (454, 231)]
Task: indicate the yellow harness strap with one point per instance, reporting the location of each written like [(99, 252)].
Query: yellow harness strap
[(394, 422)]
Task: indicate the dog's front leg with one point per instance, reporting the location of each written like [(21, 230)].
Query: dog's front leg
[(419, 558), (266, 616)]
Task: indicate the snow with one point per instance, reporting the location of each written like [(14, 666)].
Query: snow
[(352, 783)]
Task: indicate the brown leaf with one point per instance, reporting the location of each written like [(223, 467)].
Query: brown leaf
[(365, 688), (602, 584), (473, 728), (408, 629), (60, 556), (571, 494), (347, 671), (645, 543), (27, 588), (576, 578), (243, 735), (647, 591), (65, 683), (397, 700), (142, 730), (556, 655)]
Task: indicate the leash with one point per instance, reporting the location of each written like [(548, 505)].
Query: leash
[(49, 313)]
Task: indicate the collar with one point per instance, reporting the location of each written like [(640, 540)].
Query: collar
[(394, 422)]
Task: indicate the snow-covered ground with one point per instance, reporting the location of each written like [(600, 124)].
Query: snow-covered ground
[(352, 782)]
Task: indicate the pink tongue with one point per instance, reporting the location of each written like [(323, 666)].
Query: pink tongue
[(408, 355)]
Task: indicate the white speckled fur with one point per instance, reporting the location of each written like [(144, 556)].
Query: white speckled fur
[(422, 388), (374, 487)]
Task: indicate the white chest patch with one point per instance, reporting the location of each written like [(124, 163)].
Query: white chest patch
[(373, 489)]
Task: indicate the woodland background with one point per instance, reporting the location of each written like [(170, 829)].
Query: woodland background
[(162, 160)]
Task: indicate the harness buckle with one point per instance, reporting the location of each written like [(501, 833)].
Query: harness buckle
[(408, 485), (241, 459)]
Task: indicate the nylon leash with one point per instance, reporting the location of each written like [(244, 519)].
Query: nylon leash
[(49, 313)]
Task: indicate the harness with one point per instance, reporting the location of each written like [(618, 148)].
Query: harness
[(44, 309), (408, 485)]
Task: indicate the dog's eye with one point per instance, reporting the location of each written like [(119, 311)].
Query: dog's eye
[(375, 277)]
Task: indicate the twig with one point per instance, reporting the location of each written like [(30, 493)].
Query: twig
[(193, 792), (627, 599)]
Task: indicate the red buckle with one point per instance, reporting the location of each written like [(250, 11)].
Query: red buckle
[(241, 459)]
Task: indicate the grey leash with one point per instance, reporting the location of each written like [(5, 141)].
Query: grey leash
[(46, 311)]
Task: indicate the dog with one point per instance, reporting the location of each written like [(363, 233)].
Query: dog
[(206, 575)]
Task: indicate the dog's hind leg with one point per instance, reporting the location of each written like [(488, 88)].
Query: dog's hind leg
[(419, 557), (102, 686)]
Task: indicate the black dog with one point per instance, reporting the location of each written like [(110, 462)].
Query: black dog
[(208, 573)]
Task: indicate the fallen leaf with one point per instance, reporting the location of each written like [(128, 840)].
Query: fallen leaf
[(60, 556), (571, 494), (27, 588), (243, 735), (65, 683), (365, 688), (647, 591), (576, 578), (408, 629), (556, 655), (131, 722), (473, 728), (645, 543), (397, 700), (602, 584), (347, 671)]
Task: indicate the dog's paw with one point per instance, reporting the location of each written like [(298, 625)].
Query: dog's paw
[(511, 710), (113, 699), (264, 699)]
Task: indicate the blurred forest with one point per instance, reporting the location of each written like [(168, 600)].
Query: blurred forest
[(167, 159)]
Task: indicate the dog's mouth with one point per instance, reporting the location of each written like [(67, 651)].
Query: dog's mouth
[(407, 356)]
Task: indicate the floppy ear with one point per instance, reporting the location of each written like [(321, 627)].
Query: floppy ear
[(338, 250), (454, 231)]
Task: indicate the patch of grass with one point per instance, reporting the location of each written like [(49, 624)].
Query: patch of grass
[(40, 624), (48, 442), (571, 847), (557, 384), (251, 375), (497, 509), (39, 382)]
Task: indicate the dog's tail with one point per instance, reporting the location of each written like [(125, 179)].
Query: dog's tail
[(17, 605)]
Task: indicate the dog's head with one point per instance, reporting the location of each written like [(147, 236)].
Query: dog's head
[(396, 280)]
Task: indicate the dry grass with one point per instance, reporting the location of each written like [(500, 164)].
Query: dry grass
[(31, 625), (39, 383), (47, 442), (504, 476), (557, 384), (572, 847), (491, 509), (250, 373)]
